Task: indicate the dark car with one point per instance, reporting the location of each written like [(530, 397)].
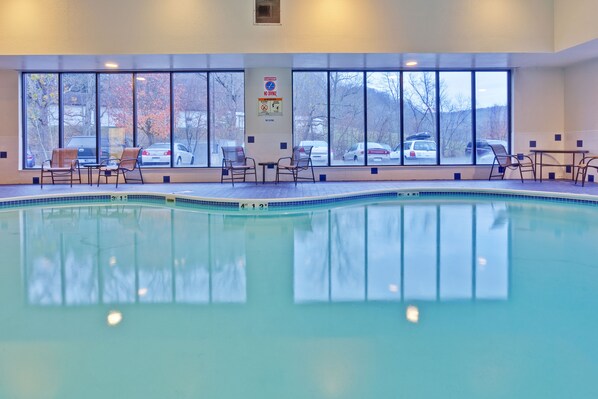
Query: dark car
[(483, 147), (87, 148)]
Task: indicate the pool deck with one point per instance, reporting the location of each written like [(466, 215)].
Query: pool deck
[(288, 191)]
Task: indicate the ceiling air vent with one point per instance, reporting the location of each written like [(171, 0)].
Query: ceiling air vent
[(267, 12)]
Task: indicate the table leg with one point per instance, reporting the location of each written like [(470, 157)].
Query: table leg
[(263, 174)]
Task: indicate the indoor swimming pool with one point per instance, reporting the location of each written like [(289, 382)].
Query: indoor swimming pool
[(436, 297)]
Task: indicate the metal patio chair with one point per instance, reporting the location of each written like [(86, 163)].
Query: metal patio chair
[(236, 164), (63, 167), (589, 161), (127, 165), (504, 161), (299, 162)]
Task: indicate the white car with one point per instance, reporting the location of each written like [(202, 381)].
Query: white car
[(319, 151), (376, 153), (420, 150), (159, 154)]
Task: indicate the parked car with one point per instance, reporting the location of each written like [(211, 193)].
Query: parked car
[(319, 151), (376, 153), (419, 149), (159, 154), (483, 147), (86, 148), (29, 159)]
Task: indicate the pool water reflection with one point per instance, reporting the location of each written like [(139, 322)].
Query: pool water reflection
[(418, 298)]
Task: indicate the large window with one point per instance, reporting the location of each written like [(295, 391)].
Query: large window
[(173, 116), (401, 118)]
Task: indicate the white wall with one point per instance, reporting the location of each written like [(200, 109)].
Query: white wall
[(581, 107), (308, 26), (574, 22), (538, 110)]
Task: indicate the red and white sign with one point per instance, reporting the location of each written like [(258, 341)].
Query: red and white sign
[(270, 86)]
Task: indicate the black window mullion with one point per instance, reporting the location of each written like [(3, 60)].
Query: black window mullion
[(98, 127), (437, 117), (171, 119), (365, 118), (474, 129), (208, 121), (60, 113), (134, 88), (328, 119), (402, 116)]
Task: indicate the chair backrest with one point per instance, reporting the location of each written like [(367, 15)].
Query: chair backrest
[(301, 155), (64, 157), (500, 153), (233, 156), (129, 157)]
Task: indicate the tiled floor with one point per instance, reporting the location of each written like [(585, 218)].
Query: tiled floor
[(303, 190)]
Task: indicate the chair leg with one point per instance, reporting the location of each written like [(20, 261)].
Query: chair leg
[(521, 173), (117, 174), (313, 175), (583, 176)]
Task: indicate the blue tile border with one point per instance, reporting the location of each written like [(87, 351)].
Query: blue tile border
[(233, 204)]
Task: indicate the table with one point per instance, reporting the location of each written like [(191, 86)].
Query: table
[(90, 167), (573, 164), (270, 165)]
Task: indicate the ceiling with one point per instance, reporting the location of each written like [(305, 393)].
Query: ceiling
[(563, 58)]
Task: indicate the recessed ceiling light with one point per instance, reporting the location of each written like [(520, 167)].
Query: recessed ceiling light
[(111, 65), (411, 63), (141, 78)]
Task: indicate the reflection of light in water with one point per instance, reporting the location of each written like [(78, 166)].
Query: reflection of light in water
[(45, 263), (114, 317), (112, 261), (393, 288), (240, 262), (412, 314), (482, 261), (142, 291)]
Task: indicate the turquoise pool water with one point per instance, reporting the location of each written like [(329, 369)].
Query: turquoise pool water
[(415, 299)]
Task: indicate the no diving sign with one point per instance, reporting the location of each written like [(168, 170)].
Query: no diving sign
[(270, 86)]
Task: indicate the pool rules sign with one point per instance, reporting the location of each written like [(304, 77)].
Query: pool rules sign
[(270, 104)]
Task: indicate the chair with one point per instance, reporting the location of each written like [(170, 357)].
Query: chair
[(300, 161), (62, 167), (235, 163), (125, 165), (589, 161), (505, 161)]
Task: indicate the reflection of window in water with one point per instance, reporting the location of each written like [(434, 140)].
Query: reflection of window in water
[(393, 252), (128, 254)]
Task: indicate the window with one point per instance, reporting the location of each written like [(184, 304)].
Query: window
[(116, 113), (310, 113), (492, 113), (191, 118), (455, 117), (41, 117), (227, 112), (384, 112), (347, 117), (168, 114), (402, 118)]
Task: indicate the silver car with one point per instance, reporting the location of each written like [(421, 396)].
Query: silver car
[(160, 153), (319, 151), (376, 153)]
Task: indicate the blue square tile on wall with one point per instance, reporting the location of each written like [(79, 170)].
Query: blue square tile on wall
[(591, 178), (579, 143), (165, 179), (558, 137), (532, 144), (251, 139), (283, 146), (374, 171), (457, 176), (322, 177), (551, 176)]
